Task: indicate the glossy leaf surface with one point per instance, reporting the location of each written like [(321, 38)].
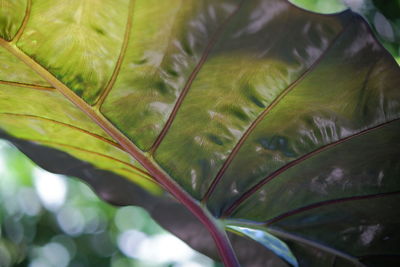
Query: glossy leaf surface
[(269, 241), (265, 114)]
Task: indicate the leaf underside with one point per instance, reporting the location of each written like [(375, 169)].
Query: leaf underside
[(271, 117)]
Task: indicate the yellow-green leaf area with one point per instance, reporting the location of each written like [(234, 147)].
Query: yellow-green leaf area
[(13, 70), (166, 42), (77, 41), (49, 104), (12, 13), (320, 110), (49, 118)]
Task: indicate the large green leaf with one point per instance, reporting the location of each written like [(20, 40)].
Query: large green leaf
[(255, 114)]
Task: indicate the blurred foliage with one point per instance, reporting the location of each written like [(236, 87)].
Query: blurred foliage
[(384, 18), (382, 15), (48, 220), (321, 6)]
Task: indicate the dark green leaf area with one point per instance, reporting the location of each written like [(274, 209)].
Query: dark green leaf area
[(358, 227), (386, 260), (279, 143), (363, 165), (313, 257), (245, 71), (325, 108)]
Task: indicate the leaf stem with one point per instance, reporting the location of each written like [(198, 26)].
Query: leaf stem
[(224, 247)]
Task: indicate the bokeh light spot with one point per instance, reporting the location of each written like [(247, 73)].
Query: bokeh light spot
[(52, 188)]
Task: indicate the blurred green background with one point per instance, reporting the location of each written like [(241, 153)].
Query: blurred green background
[(49, 220), (382, 15)]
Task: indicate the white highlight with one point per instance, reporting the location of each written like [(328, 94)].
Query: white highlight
[(51, 188), (161, 248)]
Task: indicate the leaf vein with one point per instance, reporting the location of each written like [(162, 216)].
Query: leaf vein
[(262, 115), (297, 161), (327, 203), (28, 85), (114, 75), (191, 79), (24, 22), (66, 125), (163, 178)]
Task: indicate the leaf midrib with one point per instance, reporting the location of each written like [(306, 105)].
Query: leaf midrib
[(144, 159), (95, 115)]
